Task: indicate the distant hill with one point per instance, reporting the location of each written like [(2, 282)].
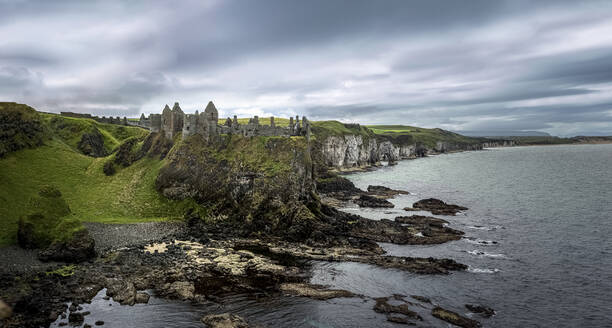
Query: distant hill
[(429, 137), (498, 133)]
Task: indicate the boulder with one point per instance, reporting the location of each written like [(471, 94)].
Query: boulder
[(454, 318), (92, 144), (80, 248), (438, 207), (225, 320), (371, 201), (484, 311), (142, 297), (76, 318), (121, 291), (183, 290), (314, 291)]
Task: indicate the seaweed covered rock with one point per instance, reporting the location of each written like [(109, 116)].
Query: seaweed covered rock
[(438, 207), (49, 226), (92, 144), (454, 318), (20, 127), (372, 201), (225, 320)]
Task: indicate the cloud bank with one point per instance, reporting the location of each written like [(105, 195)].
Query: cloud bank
[(458, 65)]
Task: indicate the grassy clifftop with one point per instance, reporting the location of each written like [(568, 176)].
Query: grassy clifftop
[(428, 137), (127, 196), (322, 129)]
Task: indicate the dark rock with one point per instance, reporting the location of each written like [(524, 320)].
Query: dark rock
[(371, 201), (399, 232), (99, 323), (438, 207), (334, 184), (121, 291), (421, 298), (484, 311), (385, 192), (92, 144), (86, 325), (400, 320), (20, 127), (76, 318), (72, 307), (109, 168), (383, 306), (225, 320), (454, 318), (421, 220), (80, 248), (314, 291), (63, 323)]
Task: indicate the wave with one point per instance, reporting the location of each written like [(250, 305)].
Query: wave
[(491, 228), (481, 253), (483, 270), (481, 242)]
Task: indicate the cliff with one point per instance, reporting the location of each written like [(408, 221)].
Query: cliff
[(346, 146)]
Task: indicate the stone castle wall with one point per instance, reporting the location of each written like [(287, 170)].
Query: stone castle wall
[(172, 121), (103, 119)]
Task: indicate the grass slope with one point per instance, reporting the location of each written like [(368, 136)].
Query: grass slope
[(126, 197), (428, 137)]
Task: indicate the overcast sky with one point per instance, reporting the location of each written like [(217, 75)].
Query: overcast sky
[(458, 65)]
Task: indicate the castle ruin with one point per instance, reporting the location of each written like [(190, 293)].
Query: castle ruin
[(172, 121)]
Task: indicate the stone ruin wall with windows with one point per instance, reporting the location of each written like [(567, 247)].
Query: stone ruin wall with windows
[(172, 121)]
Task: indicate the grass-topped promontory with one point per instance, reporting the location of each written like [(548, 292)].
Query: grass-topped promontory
[(428, 137)]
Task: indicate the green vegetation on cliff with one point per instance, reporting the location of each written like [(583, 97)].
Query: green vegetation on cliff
[(428, 137), (48, 220), (127, 196), (20, 127), (323, 129)]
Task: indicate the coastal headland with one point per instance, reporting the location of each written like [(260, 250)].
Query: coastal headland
[(196, 208)]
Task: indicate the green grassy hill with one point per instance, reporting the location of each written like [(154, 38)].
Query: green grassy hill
[(429, 137), (127, 196)]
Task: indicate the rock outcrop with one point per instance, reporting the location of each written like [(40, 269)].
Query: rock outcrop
[(92, 144), (438, 207), (351, 151)]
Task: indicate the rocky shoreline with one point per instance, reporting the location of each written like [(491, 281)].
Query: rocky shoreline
[(194, 262)]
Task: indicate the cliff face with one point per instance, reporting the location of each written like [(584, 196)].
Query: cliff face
[(349, 151), (264, 183)]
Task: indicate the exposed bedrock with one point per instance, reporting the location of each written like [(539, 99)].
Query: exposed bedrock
[(354, 151), (438, 207)]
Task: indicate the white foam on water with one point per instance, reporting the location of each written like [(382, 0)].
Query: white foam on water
[(483, 270)]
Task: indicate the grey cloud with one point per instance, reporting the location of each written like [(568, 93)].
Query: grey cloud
[(455, 64)]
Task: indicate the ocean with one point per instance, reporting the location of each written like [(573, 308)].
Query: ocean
[(537, 242)]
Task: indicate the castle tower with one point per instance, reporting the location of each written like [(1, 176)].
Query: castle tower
[(272, 122), (190, 125), (212, 118), (166, 122), (156, 122), (177, 119)]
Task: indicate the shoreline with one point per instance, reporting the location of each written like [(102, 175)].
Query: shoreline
[(136, 258), (369, 168)]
